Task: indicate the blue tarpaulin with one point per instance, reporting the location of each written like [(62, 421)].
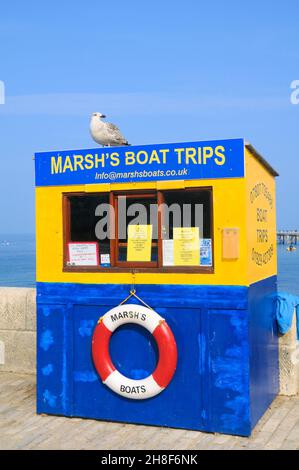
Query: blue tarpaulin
[(285, 306)]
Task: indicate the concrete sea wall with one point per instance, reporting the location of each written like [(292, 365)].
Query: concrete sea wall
[(18, 339), (289, 361), (17, 329)]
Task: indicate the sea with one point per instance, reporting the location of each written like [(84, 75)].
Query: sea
[(17, 264)]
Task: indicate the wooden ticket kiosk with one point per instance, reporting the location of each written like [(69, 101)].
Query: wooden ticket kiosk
[(146, 313)]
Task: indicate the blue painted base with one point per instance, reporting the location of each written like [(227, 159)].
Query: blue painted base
[(227, 373)]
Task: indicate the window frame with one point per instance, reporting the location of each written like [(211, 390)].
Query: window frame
[(125, 266), (135, 264)]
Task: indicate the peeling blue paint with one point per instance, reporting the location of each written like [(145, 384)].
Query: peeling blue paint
[(48, 369), (239, 407), (238, 324), (64, 365), (201, 353), (46, 311), (85, 376), (46, 340), (86, 327), (49, 398), (229, 370)]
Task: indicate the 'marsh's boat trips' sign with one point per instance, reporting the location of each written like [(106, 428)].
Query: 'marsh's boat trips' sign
[(192, 160)]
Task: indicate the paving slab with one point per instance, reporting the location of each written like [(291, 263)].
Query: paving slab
[(22, 428)]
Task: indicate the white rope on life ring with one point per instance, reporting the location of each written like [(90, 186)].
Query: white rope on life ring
[(155, 324)]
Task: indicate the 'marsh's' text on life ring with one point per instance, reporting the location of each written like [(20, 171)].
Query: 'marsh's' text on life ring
[(162, 375)]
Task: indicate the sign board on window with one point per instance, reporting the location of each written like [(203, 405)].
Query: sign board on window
[(186, 246), (206, 252), (83, 254), (168, 252), (139, 242)]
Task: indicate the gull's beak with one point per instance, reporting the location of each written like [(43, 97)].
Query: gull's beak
[(103, 115)]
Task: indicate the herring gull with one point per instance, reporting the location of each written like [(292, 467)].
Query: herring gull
[(105, 133)]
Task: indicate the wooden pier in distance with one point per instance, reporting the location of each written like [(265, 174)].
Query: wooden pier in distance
[(288, 237)]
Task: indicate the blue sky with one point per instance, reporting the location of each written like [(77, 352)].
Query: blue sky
[(163, 71)]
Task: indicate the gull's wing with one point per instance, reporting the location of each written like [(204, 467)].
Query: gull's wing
[(114, 131), (112, 127)]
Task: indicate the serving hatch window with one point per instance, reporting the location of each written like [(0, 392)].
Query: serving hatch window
[(136, 237), (149, 230)]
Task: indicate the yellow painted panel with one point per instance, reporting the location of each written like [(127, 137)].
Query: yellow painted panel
[(229, 206), (100, 188), (176, 184), (133, 186), (261, 220)]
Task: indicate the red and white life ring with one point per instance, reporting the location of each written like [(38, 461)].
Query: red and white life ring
[(149, 319)]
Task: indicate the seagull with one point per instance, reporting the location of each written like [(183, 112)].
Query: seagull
[(105, 133)]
